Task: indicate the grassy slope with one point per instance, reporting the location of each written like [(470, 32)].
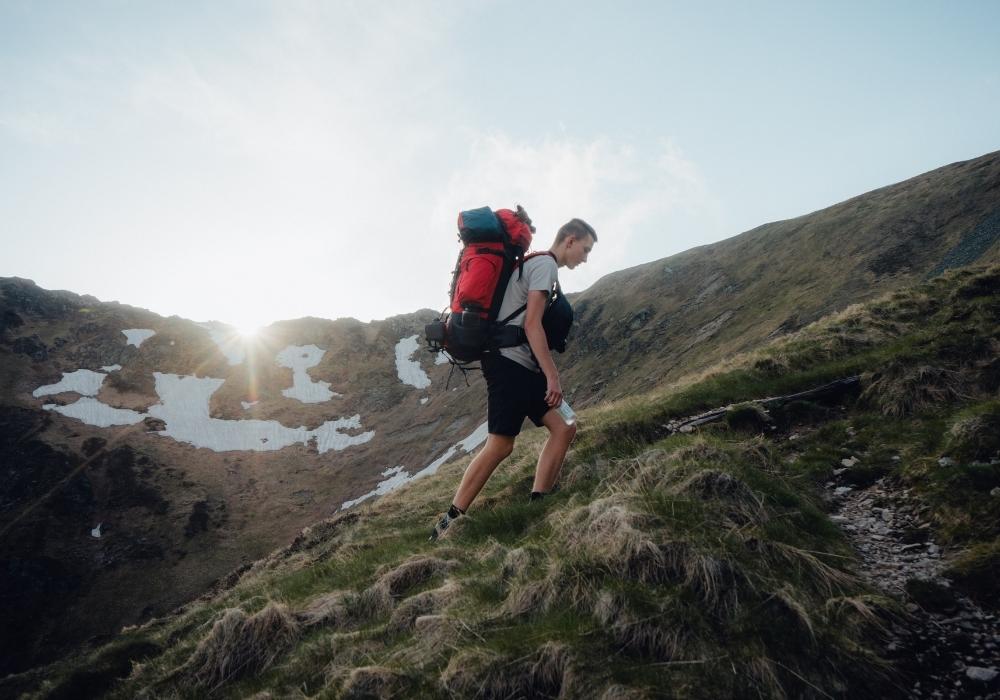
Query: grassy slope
[(662, 320), (668, 565)]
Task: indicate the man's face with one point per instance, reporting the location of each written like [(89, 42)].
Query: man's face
[(577, 250)]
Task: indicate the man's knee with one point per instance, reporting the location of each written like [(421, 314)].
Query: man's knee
[(500, 446)]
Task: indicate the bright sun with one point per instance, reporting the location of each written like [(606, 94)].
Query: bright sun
[(248, 332)]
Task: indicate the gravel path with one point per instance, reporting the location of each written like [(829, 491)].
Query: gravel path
[(949, 647)]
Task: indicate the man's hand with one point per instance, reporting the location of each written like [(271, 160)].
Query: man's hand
[(553, 393)]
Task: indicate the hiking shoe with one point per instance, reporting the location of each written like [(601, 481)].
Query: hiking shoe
[(441, 526)]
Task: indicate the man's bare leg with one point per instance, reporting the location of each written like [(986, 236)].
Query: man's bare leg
[(554, 452), (482, 466)]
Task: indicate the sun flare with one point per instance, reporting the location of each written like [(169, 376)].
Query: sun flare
[(248, 332)]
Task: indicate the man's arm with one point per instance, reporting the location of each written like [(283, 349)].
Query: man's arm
[(537, 302)]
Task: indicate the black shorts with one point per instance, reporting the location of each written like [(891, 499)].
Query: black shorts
[(515, 392)]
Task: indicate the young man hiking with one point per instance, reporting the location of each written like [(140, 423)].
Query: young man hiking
[(523, 381)]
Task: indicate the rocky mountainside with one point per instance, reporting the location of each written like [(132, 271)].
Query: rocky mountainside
[(667, 318), (690, 553), (145, 458)]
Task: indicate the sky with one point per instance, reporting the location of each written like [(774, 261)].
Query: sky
[(259, 160)]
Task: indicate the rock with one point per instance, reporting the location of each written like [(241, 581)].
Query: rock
[(896, 458), (31, 346), (850, 462), (980, 674), (842, 490), (154, 424), (931, 595), (946, 462), (995, 492)]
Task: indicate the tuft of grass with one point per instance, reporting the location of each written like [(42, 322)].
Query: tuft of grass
[(977, 572), (900, 389), (240, 645)]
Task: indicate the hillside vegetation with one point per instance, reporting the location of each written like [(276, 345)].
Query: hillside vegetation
[(688, 565), (172, 517), (664, 319)]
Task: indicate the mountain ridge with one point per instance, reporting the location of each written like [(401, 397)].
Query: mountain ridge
[(190, 514)]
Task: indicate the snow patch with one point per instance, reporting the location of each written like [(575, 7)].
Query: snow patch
[(93, 412), (96, 532), (82, 381), (137, 336), (111, 368), (300, 358), (398, 476), (184, 409), (441, 359), (477, 438), (228, 340), (408, 369), (248, 404), (329, 437), (424, 400)]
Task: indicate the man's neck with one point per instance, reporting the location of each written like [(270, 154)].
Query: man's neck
[(557, 254)]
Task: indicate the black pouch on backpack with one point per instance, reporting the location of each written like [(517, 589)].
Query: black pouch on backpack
[(467, 335), (435, 334)]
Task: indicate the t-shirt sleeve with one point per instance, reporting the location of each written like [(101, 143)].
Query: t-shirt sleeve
[(542, 275)]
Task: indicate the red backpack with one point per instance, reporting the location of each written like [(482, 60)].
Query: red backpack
[(494, 244)]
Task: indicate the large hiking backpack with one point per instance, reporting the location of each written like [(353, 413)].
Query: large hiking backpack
[(494, 244)]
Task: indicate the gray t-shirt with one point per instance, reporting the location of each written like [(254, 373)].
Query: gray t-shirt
[(540, 273)]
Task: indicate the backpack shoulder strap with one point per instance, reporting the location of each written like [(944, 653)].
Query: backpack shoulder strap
[(529, 256), (552, 293)]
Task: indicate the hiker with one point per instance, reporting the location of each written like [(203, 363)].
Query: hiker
[(522, 381)]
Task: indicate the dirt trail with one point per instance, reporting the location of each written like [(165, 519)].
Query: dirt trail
[(949, 647)]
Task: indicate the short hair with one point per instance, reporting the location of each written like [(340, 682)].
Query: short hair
[(578, 228)]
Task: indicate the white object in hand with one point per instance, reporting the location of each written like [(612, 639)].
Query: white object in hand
[(567, 413)]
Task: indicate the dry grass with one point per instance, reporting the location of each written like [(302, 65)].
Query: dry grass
[(976, 438), (763, 677), (239, 645), (818, 573), (857, 611), (373, 682), (788, 607), (415, 571), (901, 389), (327, 609), (622, 692), (519, 562), (717, 582), (649, 636), (433, 601), (742, 504), (653, 637), (546, 673), (607, 532)]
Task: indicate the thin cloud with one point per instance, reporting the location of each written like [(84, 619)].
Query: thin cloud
[(623, 191)]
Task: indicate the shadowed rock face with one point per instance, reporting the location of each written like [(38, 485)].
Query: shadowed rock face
[(126, 522), (173, 518)]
